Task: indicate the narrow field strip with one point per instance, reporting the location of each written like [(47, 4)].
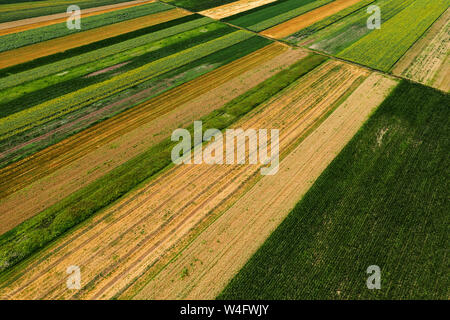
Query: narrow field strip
[(425, 61), (229, 242), (35, 51), (115, 145), (32, 23), (142, 229), (291, 26), (382, 48), (234, 8)]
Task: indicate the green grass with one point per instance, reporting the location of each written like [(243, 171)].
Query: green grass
[(269, 17), (32, 235), (382, 201), (38, 91), (17, 10), (382, 48)]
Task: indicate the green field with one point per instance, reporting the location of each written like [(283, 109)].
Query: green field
[(383, 201), (30, 236), (382, 48)]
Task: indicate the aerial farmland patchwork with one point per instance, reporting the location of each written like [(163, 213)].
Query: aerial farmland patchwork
[(336, 188)]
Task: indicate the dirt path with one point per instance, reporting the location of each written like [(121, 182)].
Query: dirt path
[(46, 48), (224, 247), (32, 23), (102, 156), (125, 240), (234, 8), (305, 20), (426, 61)]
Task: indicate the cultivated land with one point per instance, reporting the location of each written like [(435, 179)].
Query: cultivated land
[(291, 26), (427, 61), (86, 176), (124, 136), (382, 48), (392, 195), (39, 50), (234, 8), (214, 257), (145, 221)]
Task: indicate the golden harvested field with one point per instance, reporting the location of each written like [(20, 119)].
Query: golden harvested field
[(427, 61), (42, 49), (124, 240), (305, 20), (32, 23), (234, 8)]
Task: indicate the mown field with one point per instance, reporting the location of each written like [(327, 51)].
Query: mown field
[(383, 201), (86, 175)]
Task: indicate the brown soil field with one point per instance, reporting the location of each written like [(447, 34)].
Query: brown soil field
[(119, 244), (219, 252), (305, 20), (42, 49), (427, 61), (234, 8), (123, 141), (32, 23)]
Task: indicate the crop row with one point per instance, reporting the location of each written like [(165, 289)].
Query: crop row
[(28, 37), (382, 48), (36, 232), (383, 201), (31, 93), (52, 109)]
